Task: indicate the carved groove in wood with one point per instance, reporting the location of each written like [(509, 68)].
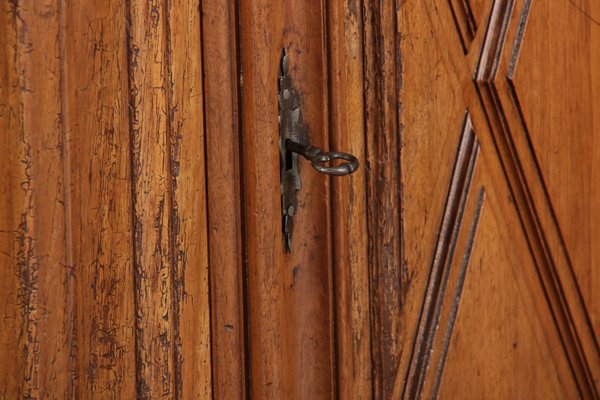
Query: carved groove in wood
[(495, 85), (444, 259), (464, 20)]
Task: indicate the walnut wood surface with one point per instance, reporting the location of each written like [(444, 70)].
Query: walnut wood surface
[(141, 248), (105, 254), (290, 316), (349, 202), (442, 77), (221, 90), (38, 315), (96, 115)]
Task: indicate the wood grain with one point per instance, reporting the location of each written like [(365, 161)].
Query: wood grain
[(452, 221), (289, 296), (13, 200), (349, 202), (97, 124), (150, 162), (188, 221), (388, 273), (565, 142), (141, 247), (224, 198), (116, 304), (551, 272), (495, 317), (515, 138), (427, 104), (36, 332)]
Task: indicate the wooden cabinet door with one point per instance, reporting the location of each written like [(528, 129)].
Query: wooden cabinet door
[(141, 233), (498, 126)]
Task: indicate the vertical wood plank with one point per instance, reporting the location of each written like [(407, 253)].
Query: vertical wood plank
[(224, 198), (97, 105), (150, 160), (36, 330), (349, 208), (12, 200), (188, 222), (264, 259), (289, 295), (388, 272), (13, 207)]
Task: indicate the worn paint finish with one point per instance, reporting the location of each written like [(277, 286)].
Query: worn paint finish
[(188, 220), (95, 307), (36, 331), (97, 125)]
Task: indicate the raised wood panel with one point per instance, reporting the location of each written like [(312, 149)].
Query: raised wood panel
[(566, 140), (432, 119), (492, 330), (479, 10), (443, 258), (431, 45), (469, 16), (512, 133), (479, 305), (489, 100)]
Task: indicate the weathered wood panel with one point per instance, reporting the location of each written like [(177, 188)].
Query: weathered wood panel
[(188, 221), (169, 200), (96, 97), (104, 233), (152, 212), (36, 297), (141, 246)]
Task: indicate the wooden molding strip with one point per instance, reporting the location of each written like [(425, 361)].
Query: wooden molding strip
[(450, 227)]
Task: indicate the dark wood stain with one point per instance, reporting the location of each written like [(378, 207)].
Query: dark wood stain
[(382, 76)]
